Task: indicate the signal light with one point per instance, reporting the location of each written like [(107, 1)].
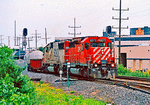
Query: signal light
[(25, 32), (108, 29)]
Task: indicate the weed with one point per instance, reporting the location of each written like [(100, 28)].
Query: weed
[(72, 92)]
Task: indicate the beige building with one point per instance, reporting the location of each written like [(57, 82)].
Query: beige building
[(135, 58)]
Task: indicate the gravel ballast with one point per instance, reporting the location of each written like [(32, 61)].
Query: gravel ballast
[(99, 91)]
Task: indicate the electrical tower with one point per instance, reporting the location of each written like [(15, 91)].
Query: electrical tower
[(74, 29), (119, 62), (36, 38)]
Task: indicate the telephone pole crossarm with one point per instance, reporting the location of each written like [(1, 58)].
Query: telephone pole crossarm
[(121, 27), (121, 9), (74, 29), (121, 18)]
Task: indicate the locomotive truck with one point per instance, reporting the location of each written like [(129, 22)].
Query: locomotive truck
[(90, 56)]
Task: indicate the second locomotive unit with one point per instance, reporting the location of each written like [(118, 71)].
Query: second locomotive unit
[(90, 56)]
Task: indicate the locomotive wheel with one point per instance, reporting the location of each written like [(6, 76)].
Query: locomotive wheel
[(108, 70), (46, 69), (85, 73)]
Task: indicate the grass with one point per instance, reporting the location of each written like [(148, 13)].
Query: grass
[(47, 95)]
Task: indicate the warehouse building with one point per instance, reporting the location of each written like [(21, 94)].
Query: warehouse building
[(135, 48)]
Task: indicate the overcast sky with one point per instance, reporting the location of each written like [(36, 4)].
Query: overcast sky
[(56, 15)]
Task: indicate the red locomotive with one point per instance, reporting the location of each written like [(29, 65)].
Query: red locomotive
[(90, 56)]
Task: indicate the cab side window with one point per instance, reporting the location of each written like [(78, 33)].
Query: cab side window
[(86, 46), (46, 49), (109, 45)]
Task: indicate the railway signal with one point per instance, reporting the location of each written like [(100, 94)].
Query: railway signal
[(108, 29), (25, 32)]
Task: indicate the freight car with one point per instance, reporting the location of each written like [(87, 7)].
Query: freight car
[(35, 61), (90, 56)]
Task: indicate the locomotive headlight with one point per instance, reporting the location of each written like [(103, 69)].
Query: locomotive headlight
[(113, 65), (95, 65)]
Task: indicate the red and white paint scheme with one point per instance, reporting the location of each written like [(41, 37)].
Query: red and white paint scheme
[(90, 56)]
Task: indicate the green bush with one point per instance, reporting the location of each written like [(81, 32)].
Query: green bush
[(123, 71), (14, 88)]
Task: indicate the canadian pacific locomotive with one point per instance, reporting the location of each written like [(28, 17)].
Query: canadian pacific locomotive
[(90, 56)]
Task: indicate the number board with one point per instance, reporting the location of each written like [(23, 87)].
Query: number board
[(102, 40), (92, 40)]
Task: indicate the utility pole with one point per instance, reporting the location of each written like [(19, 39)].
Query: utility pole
[(119, 50), (46, 36), (74, 29), (8, 40), (36, 38), (15, 33), (18, 44), (1, 39), (29, 39)]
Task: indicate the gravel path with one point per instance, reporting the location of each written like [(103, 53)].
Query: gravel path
[(107, 93)]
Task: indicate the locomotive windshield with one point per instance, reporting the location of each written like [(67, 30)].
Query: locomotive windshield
[(93, 44), (101, 44)]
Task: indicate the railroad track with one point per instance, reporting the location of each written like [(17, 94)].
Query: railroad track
[(135, 83), (134, 78)]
